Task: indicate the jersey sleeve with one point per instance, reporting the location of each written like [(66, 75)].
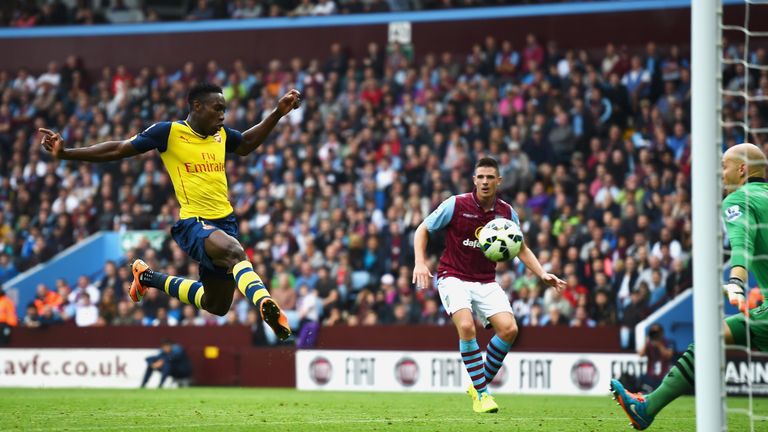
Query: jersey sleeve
[(153, 137), (234, 138), (515, 217), (441, 216), (739, 224)]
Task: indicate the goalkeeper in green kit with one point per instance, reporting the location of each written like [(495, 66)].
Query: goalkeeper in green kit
[(745, 213)]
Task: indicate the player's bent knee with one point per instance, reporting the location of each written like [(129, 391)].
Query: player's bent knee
[(234, 253), (219, 309), (466, 329), (509, 333)]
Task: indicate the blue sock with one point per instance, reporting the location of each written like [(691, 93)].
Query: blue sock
[(473, 361), (494, 356)]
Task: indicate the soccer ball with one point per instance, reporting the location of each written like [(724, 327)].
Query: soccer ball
[(500, 240)]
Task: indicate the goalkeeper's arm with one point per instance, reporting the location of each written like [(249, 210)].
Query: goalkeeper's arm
[(739, 223), (735, 288)]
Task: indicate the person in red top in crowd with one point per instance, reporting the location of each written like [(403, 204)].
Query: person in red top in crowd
[(573, 290), (120, 80)]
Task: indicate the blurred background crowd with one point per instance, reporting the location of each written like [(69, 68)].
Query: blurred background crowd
[(594, 150), (31, 13)]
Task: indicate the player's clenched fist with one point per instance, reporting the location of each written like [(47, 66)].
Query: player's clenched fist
[(289, 101)]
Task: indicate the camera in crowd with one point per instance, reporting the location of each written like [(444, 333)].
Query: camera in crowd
[(656, 332)]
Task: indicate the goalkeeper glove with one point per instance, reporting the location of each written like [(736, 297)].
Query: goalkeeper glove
[(734, 289)]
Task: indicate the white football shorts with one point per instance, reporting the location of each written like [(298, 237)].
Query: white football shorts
[(485, 299)]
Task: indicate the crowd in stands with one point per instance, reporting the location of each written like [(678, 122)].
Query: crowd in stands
[(594, 150), (30, 13)]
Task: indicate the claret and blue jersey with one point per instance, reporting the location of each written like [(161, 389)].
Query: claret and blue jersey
[(462, 216)]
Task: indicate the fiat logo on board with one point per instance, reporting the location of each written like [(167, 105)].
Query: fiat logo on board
[(584, 374), (407, 371), (320, 370), (500, 378)]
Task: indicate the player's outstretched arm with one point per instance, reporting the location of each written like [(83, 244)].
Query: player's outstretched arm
[(253, 137), (529, 259), (53, 143)]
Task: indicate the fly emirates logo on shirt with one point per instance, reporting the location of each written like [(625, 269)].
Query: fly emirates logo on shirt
[(473, 243), (208, 165)]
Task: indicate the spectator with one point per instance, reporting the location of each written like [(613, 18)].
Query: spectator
[(32, 318), (86, 313), (665, 238), (581, 318), (7, 268), (562, 138), (124, 314), (534, 318), (307, 306), (324, 7), (659, 358), (636, 80), (201, 11), (163, 319), (247, 9), (679, 279), (108, 306), (603, 312), (286, 296), (7, 312), (172, 362), (647, 274), (46, 298), (305, 8), (327, 292), (307, 277), (431, 313), (49, 317), (111, 278), (554, 317), (554, 298)]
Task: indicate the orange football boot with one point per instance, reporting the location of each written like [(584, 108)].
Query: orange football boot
[(275, 318), (137, 289)]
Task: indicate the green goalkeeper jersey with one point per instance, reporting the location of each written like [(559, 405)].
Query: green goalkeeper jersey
[(745, 212)]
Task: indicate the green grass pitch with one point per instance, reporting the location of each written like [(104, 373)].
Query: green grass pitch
[(290, 410)]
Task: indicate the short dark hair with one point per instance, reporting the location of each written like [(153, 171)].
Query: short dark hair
[(487, 162), (198, 91)]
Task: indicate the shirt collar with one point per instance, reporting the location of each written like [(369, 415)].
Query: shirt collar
[(477, 201)]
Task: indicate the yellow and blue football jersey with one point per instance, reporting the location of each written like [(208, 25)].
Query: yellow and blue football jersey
[(196, 164)]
